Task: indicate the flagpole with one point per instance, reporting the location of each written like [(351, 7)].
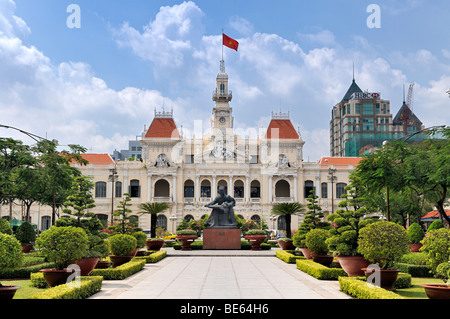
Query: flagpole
[(222, 44)]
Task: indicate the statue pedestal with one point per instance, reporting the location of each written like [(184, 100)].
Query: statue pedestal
[(222, 238)]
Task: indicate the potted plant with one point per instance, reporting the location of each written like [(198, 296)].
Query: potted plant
[(187, 237), (62, 246), (436, 245), (415, 235), (141, 239), (122, 247), (313, 220), (383, 243), (286, 243), (346, 223), (315, 242), (255, 237), (155, 243), (11, 256), (26, 234), (97, 249)]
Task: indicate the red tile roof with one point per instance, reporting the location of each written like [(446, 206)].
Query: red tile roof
[(282, 129), (435, 214), (163, 128), (98, 158), (339, 161)]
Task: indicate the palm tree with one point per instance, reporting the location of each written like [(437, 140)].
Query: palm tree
[(288, 209), (153, 209)]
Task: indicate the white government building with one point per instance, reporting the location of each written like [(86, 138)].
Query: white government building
[(258, 171)]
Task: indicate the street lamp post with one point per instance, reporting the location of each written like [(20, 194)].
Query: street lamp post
[(112, 178), (173, 218), (332, 177)]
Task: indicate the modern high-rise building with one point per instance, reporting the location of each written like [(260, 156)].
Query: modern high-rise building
[(362, 121)]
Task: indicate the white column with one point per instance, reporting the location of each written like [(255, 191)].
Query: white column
[(174, 189), (230, 185), (270, 188), (149, 187), (214, 188), (247, 188), (197, 188), (295, 189)]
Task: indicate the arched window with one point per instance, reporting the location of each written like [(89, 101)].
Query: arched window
[(224, 184), (188, 218), (238, 189), (205, 189), (45, 222), (103, 218), (162, 188), (255, 189), (282, 189), (189, 189), (100, 189), (161, 221), (222, 89), (340, 189), (135, 188), (324, 190), (309, 186), (118, 189), (256, 218)]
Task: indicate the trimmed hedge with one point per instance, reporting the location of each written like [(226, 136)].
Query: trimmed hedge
[(414, 270), (121, 272), (245, 245), (23, 272), (360, 289), (153, 257), (88, 286), (287, 256), (319, 271)]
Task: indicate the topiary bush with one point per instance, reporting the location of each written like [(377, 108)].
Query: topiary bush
[(63, 245), (5, 227), (122, 244), (26, 234), (437, 224), (415, 233), (315, 241), (141, 238), (436, 246), (10, 252), (383, 243)]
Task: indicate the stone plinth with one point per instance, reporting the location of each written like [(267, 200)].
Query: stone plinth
[(218, 238)]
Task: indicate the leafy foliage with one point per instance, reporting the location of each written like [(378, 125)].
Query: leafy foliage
[(415, 233), (26, 233), (383, 243), (436, 245), (153, 209), (287, 210), (122, 244), (315, 241)]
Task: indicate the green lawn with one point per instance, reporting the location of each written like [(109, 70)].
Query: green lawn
[(417, 292), (25, 291)]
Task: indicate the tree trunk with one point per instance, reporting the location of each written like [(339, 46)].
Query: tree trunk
[(153, 225), (388, 212), (440, 205), (288, 226)]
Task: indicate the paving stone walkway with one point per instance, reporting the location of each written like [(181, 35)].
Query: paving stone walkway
[(220, 275)]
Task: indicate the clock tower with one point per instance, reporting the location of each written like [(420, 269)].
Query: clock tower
[(222, 114)]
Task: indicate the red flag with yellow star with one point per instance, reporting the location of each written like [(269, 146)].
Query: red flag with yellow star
[(230, 43)]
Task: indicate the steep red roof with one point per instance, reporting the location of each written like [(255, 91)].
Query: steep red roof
[(339, 161), (284, 127), (163, 128)]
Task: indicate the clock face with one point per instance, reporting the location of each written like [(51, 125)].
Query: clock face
[(222, 120)]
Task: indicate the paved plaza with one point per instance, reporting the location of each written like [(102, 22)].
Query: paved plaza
[(201, 274)]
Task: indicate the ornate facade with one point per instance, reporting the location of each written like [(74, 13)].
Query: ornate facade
[(258, 170)]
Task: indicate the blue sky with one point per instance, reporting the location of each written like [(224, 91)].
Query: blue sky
[(98, 85)]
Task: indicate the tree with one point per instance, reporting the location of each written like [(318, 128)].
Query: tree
[(124, 224), (153, 209), (80, 199), (58, 172), (287, 210), (382, 171)]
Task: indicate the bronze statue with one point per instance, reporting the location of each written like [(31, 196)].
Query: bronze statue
[(222, 215)]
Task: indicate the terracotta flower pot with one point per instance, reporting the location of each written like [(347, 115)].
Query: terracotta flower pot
[(286, 245), (186, 241), (352, 265), (103, 264), (437, 291), (256, 241), (119, 260), (8, 291), (26, 248), (154, 244), (87, 265), (387, 277), (55, 277), (306, 253), (324, 260), (415, 247)]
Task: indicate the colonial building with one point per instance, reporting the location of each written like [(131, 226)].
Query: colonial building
[(258, 170)]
